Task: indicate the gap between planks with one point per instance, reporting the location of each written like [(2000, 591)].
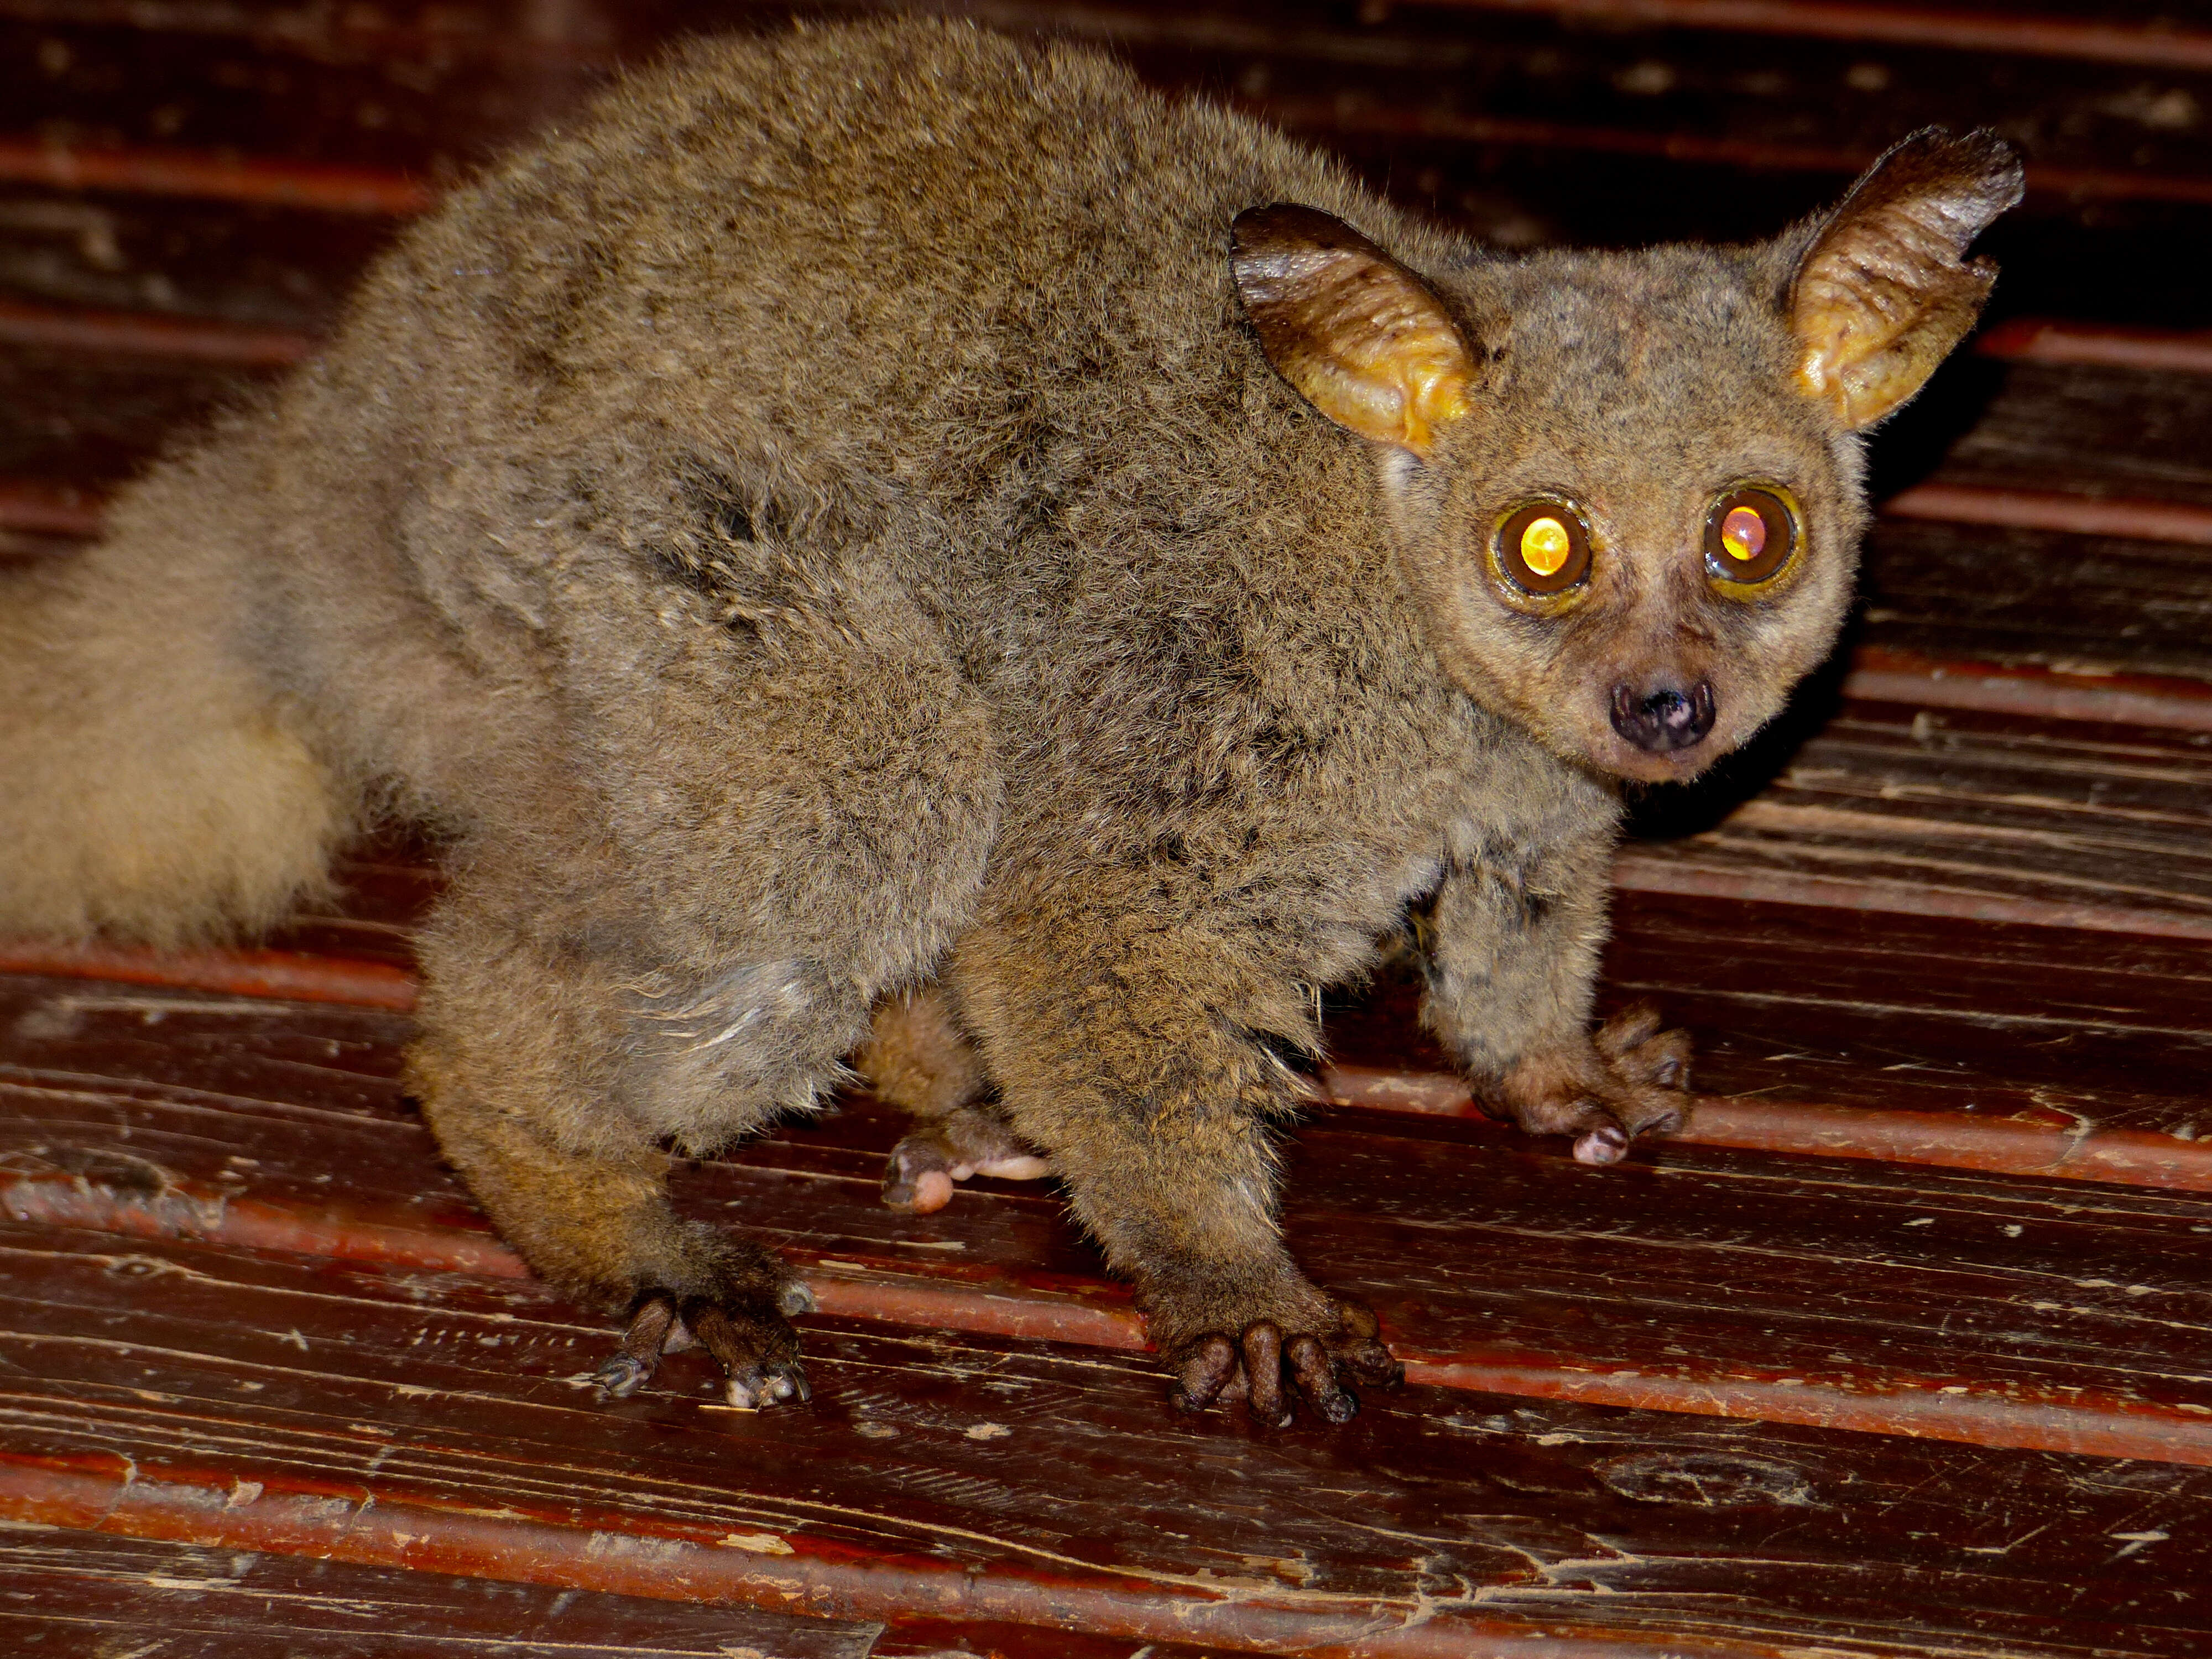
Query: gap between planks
[(384, 193), (1330, 116), (1428, 1508), (1882, 674)]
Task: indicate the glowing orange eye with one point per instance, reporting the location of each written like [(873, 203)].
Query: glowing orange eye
[(1545, 546), (1751, 532), (1542, 547), (1743, 534)]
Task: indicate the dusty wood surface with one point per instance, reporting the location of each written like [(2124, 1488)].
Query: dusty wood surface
[(239, 1399), (1951, 813), (70, 1592), (1923, 1302), (2083, 604), (1905, 1347)]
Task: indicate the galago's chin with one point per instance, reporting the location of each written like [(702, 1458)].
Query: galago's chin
[(1631, 764)]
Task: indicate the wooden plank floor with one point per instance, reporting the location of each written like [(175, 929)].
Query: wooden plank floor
[(1904, 1347)]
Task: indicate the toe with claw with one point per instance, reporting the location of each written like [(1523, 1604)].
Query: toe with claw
[(748, 1334), (1270, 1367)]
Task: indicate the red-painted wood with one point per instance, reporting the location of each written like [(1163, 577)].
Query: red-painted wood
[(2076, 429), (1879, 674), (243, 972), (140, 334), (957, 1639), (2154, 42), (1947, 1181), (1953, 813), (1409, 124), (2136, 1157), (49, 509), (1937, 835), (261, 181), (2056, 340), (71, 1593), (2085, 515)]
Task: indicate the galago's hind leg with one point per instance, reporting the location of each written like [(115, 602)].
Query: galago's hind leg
[(533, 1076), (572, 1022), (918, 1057), (676, 925), (598, 1224)]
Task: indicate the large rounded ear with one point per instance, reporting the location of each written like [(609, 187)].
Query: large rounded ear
[(1885, 290), (1360, 336)]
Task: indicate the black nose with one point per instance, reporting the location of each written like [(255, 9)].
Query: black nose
[(1665, 718)]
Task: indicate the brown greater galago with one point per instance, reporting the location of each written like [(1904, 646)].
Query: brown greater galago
[(888, 523)]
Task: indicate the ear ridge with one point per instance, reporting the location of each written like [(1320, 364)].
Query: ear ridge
[(1361, 337), (1885, 291)]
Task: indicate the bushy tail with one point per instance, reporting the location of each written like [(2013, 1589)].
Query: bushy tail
[(151, 785)]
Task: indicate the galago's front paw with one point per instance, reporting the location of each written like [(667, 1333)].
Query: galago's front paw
[(1313, 1347), (1631, 1078)]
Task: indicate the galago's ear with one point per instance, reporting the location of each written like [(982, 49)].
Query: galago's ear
[(1885, 290), (1360, 336)]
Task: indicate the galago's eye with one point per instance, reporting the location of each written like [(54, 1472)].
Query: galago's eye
[(1750, 534), (1542, 546)]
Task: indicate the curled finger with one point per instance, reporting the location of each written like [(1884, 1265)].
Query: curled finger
[(784, 1380), (1204, 1372), (1316, 1378), (1263, 1373), (1357, 1319), (1626, 1029), (1662, 1061), (633, 1365), (1373, 1365), (919, 1176)]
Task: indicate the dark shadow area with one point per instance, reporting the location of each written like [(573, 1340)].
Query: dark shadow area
[(1908, 447)]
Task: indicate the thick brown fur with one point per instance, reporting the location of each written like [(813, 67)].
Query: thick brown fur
[(823, 529)]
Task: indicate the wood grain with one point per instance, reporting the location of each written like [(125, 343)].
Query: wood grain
[(1852, 1034), (2134, 520), (2055, 340), (138, 334), (220, 1398), (205, 176), (1919, 1303), (264, 1376), (77, 1592), (2085, 689), (2106, 38), (57, 510), (73, 421), (2092, 428), (286, 270), (1951, 812), (1893, 887)]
